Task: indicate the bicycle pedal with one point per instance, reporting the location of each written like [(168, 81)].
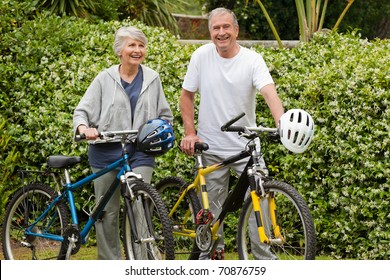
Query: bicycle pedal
[(219, 254)]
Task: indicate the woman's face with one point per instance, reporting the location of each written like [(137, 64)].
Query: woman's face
[(133, 52)]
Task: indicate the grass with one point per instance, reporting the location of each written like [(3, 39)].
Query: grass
[(90, 253), (85, 253)]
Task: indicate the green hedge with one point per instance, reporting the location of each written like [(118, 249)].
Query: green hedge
[(368, 15), (48, 62), (344, 82)]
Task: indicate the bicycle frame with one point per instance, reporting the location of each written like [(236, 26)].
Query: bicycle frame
[(264, 231), (67, 194), (235, 197)]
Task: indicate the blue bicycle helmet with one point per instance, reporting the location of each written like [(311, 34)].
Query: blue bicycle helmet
[(155, 137)]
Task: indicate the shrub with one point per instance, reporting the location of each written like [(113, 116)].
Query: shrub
[(344, 83), (48, 62)]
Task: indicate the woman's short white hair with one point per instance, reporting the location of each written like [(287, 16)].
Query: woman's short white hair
[(123, 34)]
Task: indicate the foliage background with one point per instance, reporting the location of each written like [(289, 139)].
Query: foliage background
[(372, 17), (47, 62)]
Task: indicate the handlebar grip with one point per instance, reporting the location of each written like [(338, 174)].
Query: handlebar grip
[(80, 137), (225, 127), (235, 129), (198, 147), (83, 137)]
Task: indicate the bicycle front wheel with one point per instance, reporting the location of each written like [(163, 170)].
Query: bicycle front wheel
[(184, 216), (151, 238), (297, 234), (24, 208)]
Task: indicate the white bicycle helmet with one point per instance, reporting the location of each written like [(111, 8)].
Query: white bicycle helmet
[(296, 129)]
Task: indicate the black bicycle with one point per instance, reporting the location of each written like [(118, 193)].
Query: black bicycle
[(284, 227)]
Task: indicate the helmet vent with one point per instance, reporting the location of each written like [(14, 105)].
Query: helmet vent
[(151, 134)]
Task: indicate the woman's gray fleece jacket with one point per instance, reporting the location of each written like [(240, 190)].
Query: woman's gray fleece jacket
[(106, 106)]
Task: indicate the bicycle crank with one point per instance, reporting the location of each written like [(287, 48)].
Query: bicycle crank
[(71, 244), (203, 237)]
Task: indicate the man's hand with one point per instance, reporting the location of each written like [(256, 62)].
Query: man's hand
[(187, 144)]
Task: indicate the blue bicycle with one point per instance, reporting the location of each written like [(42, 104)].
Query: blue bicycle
[(41, 221)]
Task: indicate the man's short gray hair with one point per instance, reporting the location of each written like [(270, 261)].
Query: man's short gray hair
[(219, 11)]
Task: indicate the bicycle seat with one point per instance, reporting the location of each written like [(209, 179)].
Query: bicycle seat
[(61, 161), (201, 146)]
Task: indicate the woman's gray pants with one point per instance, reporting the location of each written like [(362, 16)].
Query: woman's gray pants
[(107, 229)]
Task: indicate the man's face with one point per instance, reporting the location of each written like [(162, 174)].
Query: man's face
[(223, 33)]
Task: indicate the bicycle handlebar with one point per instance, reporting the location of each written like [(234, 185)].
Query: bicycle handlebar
[(234, 129), (227, 126), (80, 137), (110, 135)]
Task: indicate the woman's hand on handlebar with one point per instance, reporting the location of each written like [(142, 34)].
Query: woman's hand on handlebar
[(90, 133)]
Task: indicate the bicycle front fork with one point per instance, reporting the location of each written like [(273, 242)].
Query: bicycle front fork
[(264, 207), (130, 199), (261, 217)]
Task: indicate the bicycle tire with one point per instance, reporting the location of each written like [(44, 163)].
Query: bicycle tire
[(26, 205), (295, 221), (156, 233), (170, 189)]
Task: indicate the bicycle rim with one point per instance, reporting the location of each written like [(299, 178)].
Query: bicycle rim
[(24, 208), (154, 231), (183, 218), (295, 222)]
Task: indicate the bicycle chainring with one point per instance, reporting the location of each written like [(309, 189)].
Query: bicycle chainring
[(203, 238), (71, 232)]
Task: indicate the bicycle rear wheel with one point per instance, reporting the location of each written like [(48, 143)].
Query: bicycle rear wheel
[(154, 238), (298, 240), (24, 208), (183, 218)]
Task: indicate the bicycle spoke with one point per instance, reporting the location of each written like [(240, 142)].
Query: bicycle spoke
[(25, 207), (293, 221)]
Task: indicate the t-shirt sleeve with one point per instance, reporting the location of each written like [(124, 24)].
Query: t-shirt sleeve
[(191, 79), (261, 74)]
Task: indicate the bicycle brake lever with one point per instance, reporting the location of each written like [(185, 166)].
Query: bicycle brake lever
[(247, 134), (104, 135), (274, 136)]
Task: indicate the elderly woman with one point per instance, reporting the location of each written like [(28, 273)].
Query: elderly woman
[(122, 97)]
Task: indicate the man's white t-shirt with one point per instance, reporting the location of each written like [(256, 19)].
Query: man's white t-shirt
[(227, 88)]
